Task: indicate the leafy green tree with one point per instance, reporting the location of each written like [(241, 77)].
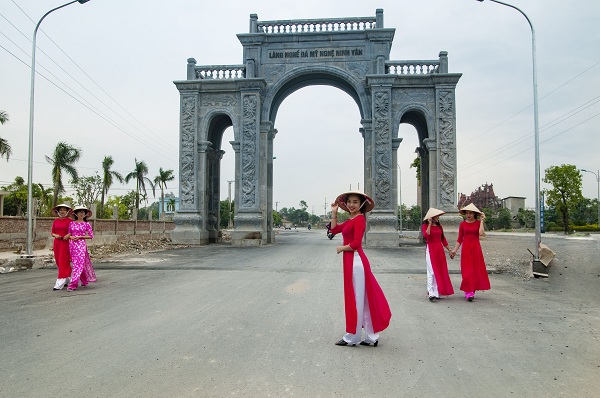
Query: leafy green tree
[(566, 191), (62, 161), (108, 177), (417, 165), (526, 218), (17, 198), (277, 219), (161, 181), (125, 205), (88, 189), (5, 149), (139, 174), (414, 217), (585, 212), (503, 218), (303, 205)]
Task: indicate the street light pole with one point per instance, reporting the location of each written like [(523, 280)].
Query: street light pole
[(597, 175), (538, 235), (29, 249), (400, 196)]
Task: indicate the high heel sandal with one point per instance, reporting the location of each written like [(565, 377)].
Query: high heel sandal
[(344, 343), (374, 344)]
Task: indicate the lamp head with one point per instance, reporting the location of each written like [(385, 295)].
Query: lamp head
[(582, 170), (85, 1)]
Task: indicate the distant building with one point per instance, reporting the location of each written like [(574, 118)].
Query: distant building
[(484, 198), (171, 206), (513, 203)]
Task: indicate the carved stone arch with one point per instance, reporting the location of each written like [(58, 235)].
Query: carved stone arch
[(315, 75), (280, 57)]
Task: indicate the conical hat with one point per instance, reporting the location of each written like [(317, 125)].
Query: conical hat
[(470, 207), (81, 207), (341, 200), (55, 209), (432, 212)]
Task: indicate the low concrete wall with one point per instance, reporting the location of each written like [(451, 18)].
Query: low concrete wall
[(13, 231)]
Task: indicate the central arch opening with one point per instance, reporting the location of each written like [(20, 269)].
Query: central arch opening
[(318, 150)]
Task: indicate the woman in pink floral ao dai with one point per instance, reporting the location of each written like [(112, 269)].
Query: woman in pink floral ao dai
[(79, 231)]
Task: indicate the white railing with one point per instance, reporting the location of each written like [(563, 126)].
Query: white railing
[(220, 72), (412, 67), (316, 25)]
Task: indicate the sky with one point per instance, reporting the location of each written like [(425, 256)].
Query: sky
[(106, 70)]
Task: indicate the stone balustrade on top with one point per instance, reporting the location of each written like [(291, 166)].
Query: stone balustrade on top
[(219, 72)]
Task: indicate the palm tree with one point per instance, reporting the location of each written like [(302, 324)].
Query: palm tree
[(107, 179), (45, 195), (62, 161), (139, 173), (161, 181), (5, 149)]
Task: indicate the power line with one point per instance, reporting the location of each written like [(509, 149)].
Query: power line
[(81, 101)]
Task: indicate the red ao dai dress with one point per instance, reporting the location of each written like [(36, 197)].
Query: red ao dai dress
[(472, 264), (438, 279), (364, 302), (82, 265), (60, 248)]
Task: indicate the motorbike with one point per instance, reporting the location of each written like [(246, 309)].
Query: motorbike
[(330, 235)]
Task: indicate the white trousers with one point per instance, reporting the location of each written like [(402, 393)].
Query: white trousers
[(363, 314), (60, 283), (432, 288)]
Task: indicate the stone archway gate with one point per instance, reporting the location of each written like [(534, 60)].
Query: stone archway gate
[(281, 57)]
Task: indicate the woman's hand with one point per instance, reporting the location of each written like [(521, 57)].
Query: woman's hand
[(482, 217), (430, 221), (339, 249)]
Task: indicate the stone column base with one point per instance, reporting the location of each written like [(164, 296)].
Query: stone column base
[(188, 230), (382, 239), (248, 230), (382, 230)]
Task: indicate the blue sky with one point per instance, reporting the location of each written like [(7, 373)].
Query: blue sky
[(119, 60)]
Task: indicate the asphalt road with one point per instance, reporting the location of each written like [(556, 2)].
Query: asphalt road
[(219, 321)]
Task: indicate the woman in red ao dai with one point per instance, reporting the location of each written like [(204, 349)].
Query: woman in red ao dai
[(438, 279), (60, 247), (365, 304), (472, 263)]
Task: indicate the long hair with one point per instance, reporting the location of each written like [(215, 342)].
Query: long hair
[(438, 223), (362, 199)]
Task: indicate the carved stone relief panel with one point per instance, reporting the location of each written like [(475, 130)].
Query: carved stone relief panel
[(447, 147), (219, 100), (249, 151), (383, 153), (186, 165)]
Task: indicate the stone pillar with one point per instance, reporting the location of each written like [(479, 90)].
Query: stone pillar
[(191, 69), (446, 198), (395, 192), (213, 194), (249, 217), (270, 137), (383, 220), (190, 218)]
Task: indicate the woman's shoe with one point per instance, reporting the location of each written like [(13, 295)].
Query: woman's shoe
[(343, 343), (374, 344), (70, 290), (470, 296)]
